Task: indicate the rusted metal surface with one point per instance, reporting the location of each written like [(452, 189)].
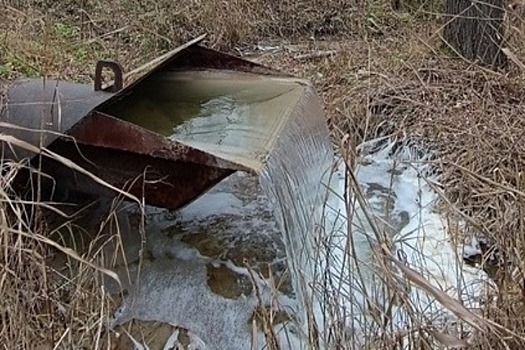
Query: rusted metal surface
[(163, 183), (155, 64), (199, 57), (102, 130), (164, 172)]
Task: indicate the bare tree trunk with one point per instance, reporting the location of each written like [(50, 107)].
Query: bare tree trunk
[(475, 29)]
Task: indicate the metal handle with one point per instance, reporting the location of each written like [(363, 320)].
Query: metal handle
[(118, 72)]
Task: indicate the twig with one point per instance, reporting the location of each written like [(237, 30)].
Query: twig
[(315, 55)]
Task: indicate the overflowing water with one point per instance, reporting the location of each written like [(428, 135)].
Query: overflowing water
[(292, 243)]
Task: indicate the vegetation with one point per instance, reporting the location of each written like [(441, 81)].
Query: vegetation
[(379, 71)]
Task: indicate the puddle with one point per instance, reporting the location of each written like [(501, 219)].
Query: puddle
[(228, 283)]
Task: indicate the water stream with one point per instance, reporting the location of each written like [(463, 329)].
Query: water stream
[(262, 242), (399, 210), (246, 245)]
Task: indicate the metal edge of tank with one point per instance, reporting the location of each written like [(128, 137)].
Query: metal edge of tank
[(196, 57), (163, 183), (103, 130)]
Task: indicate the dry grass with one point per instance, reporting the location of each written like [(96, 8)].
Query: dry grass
[(52, 265), (382, 73), (135, 32), (473, 119), (51, 296)]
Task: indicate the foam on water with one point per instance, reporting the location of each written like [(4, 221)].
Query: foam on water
[(172, 284), (397, 186)]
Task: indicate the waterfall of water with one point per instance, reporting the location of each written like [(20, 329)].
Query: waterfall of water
[(293, 180), (274, 127)]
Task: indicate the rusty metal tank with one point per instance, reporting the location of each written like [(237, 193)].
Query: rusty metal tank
[(195, 117)]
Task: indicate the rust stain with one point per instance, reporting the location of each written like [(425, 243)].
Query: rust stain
[(161, 182)]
